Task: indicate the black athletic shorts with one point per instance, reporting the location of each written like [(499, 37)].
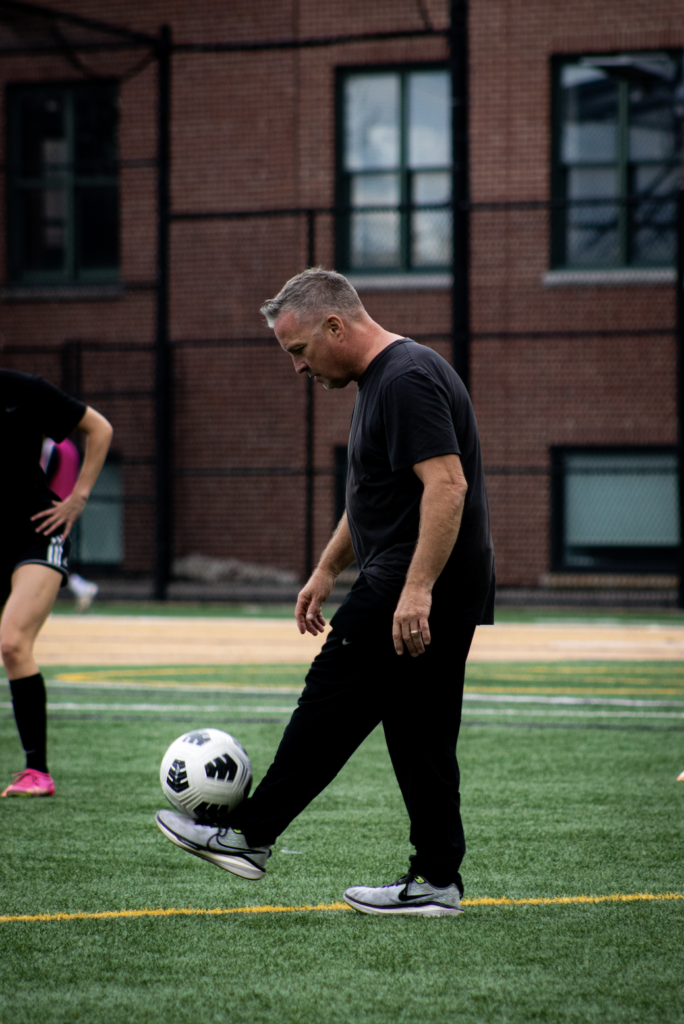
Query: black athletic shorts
[(26, 547)]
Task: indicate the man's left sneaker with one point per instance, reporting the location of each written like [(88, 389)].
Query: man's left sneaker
[(412, 894), (30, 783)]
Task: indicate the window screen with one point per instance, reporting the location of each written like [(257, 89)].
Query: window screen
[(616, 510)]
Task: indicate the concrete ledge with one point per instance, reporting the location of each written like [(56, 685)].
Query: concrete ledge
[(187, 590), (545, 597), (61, 293), (608, 581), (614, 278)]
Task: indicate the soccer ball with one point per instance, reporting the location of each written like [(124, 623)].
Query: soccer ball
[(205, 774)]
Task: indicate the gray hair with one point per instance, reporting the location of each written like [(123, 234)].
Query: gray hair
[(314, 294)]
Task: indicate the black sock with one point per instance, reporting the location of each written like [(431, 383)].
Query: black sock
[(30, 713)]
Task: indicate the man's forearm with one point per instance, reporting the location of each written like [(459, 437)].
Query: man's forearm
[(339, 553), (441, 511)]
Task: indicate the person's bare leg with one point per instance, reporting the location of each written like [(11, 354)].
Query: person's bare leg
[(34, 589)]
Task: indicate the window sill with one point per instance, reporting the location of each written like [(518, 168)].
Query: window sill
[(401, 282), (615, 278), (60, 292)]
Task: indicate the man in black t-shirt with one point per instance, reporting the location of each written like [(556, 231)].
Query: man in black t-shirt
[(34, 553), (417, 524)]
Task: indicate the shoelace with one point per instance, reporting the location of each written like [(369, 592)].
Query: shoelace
[(404, 880), (32, 773)]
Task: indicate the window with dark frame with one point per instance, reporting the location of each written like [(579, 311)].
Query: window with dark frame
[(395, 163), (63, 196), (98, 536), (614, 510), (616, 160)]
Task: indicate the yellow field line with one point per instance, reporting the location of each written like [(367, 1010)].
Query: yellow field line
[(482, 901), (243, 687)]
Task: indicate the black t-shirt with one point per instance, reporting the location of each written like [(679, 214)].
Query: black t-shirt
[(412, 406), (30, 409)]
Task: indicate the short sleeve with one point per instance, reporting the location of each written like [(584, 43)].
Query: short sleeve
[(54, 412), (418, 420)]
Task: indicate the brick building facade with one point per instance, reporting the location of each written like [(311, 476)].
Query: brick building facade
[(563, 355)]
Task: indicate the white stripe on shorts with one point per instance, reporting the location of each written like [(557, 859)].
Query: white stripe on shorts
[(54, 555)]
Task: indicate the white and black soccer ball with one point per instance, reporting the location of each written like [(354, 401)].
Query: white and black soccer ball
[(205, 774)]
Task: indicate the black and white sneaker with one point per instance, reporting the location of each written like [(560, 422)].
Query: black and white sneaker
[(225, 847), (411, 894)]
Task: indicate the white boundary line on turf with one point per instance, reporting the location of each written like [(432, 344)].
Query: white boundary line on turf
[(548, 712), (512, 698), (266, 709), (160, 708), (489, 698)]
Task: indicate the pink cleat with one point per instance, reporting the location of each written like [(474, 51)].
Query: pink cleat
[(30, 783), (680, 777)]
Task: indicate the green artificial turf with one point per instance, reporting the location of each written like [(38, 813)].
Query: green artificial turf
[(216, 609), (551, 807)]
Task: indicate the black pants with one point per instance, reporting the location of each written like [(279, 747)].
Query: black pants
[(356, 682)]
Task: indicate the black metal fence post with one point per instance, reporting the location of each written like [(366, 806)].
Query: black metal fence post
[(460, 311), (162, 384), (680, 386), (310, 425), (72, 372)]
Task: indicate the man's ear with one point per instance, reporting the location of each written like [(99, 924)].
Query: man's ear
[(334, 325)]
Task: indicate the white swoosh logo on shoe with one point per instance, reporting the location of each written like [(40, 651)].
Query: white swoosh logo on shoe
[(345, 642)]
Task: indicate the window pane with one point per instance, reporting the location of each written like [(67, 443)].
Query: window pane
[(429, 103), (95, 130), (431, 238), (371, 122), (589, 116), (374, 240), (43, 145), (592, 232), (432, 187), (97, 228), (653, 221), (43, 228), (621, 501), (654, 130), (375, 190)]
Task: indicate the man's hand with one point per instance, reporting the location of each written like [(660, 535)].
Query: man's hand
[(62, 513), (311, 597), (411, 626)]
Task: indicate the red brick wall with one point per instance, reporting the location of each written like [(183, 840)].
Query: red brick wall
[(531, 392), (257, 131)]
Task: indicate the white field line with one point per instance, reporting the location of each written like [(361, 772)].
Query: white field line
[(506, 698), (595, 712), (545, 712), (68, 706)]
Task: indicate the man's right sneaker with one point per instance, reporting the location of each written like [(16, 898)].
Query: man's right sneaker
[(412, 894), (680, 777), (225, 847)]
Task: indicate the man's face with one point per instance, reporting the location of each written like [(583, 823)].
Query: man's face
[(317, 350)]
